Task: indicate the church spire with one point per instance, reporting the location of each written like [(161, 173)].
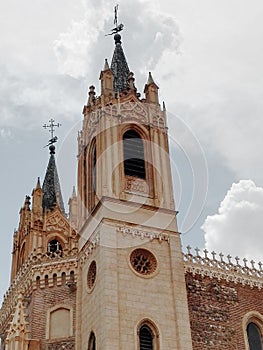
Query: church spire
[(119, 66), (52, 195)]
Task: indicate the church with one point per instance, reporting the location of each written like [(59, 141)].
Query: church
[(112, 274)]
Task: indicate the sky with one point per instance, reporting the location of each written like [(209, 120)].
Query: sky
[(206, 57)]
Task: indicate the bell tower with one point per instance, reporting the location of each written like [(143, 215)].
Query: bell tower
[(132, 292)]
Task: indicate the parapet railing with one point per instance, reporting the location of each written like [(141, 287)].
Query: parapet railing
[(218, 266)]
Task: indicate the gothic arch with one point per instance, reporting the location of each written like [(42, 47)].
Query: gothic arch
[(134, 154), (256, 319), (143, 134), (52, 238), (92, 341), (58, 236), (91, 175), (147, 335)]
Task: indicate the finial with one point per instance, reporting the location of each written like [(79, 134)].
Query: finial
[(74, 192), (27, 202), (52, 149), (118, 27), (150, 79), (38, 183), (53, 139), (106, 65), (131, 81), (92, 94)]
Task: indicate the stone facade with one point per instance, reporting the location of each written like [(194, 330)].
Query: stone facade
[(223, 296), (112, 275)]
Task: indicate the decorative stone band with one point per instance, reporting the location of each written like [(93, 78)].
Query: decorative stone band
[(143, 234), (136, 185), (58, 345), (223, 269), (127, 112), (91, 245)]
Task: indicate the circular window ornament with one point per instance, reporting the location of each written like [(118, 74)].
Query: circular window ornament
[(143, 262), (92, 272)]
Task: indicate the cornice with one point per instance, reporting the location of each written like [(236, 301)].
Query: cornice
[(221, 269)]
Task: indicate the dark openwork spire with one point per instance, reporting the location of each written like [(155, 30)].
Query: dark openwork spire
[(119, 66), (52, 195)]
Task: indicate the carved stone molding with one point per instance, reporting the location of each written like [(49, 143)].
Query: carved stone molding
[(136, 185), (91, 245), (221, 269), (143, 234), (59, 345)]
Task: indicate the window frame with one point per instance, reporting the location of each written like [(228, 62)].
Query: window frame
[(92, 339), (154, 330), (48, 319), (144, 134), (256, 318), (142, 150)]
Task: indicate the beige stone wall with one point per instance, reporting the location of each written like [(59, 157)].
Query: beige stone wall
[(121, 298)]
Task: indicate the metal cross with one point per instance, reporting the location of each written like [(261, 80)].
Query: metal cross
[(51, 127), (117, 27), (116, 15)]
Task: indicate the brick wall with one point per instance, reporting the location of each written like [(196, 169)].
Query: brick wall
[(217, 309), (42, 299)]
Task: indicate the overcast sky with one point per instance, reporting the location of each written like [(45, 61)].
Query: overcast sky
[(206, 56)]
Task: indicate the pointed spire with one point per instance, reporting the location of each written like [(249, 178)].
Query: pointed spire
[(38, 186), (74, 192), (150, 79), (37, 197), (119, 67), (151, 90), (73, 209), (52, 195), (106, 65), (106, 78)]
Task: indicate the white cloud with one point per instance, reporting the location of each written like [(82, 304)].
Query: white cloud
[(80, 51), (237, 228), (5, 134), (217, 81)]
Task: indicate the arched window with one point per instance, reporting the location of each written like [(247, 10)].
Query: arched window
[(146, 338), (92, 175), (254, 337), (94, 169), (92, 342), (53, 247), (133, 151)]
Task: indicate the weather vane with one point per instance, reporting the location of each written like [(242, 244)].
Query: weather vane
[(51, 128), (118, 27)]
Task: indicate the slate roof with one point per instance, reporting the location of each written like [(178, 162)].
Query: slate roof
[(52, 195), (119, 66)]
